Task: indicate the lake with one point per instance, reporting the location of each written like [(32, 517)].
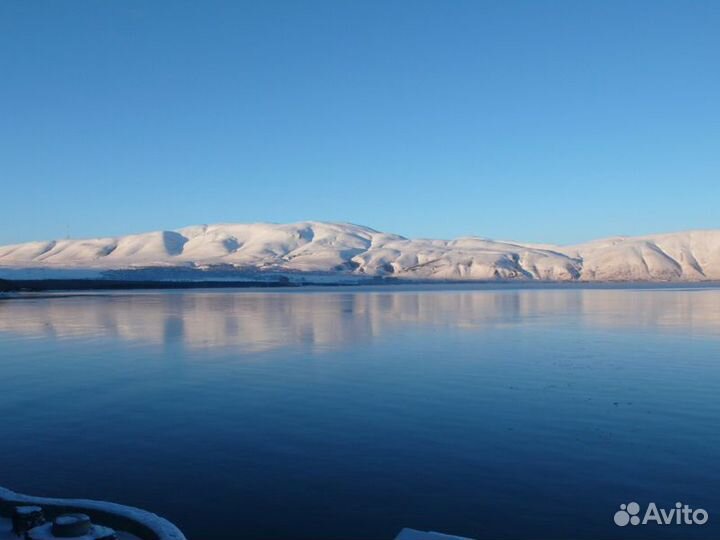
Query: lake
[(349, 413)]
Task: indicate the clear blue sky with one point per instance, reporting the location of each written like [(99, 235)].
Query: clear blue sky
[(539, 120)]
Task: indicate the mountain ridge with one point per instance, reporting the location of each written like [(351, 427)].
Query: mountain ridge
[(347, 249)]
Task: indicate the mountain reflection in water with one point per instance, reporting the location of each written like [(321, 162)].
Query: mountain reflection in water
[(265, 321)]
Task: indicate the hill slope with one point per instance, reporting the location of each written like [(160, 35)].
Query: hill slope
[(341, 249)]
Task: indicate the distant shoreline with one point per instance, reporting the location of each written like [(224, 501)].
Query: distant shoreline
[(44, 285), (60, 285)]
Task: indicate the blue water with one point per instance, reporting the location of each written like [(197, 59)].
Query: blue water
[(351, 413)]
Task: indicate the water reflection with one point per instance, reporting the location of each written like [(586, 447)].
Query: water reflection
[(263, 321)]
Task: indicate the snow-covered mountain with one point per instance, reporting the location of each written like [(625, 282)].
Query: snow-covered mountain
[(342, 250)]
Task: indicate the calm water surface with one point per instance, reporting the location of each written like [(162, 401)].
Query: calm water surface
[(349, 414)]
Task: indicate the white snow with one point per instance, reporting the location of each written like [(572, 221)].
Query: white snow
[(344, 249), (6, 532), (159, 527)]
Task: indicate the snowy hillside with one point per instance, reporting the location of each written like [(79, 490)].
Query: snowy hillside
[(341, 249)]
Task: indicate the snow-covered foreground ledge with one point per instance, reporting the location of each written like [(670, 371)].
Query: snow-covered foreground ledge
[(143, 524)]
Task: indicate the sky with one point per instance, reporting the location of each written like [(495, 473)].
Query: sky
[(544, 121)]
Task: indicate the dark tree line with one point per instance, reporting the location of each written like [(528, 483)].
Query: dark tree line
[(6, 286)]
